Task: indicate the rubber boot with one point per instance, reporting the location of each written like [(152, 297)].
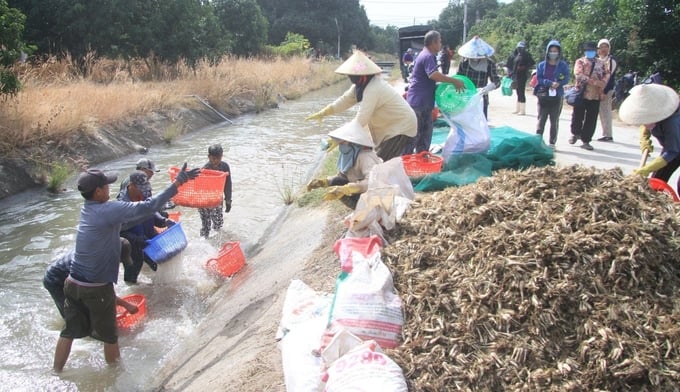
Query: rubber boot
[(516, 109), (522, 108)]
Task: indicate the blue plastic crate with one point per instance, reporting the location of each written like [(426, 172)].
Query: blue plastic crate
[(166, 244)]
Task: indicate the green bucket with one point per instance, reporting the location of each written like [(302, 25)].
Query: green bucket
[(449, 100)]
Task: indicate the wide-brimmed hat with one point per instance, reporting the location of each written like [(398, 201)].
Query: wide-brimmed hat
[(358, 64), (92, 179), (648, 103), (353, 132), (476, 48)]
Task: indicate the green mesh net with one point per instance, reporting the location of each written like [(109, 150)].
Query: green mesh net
[(510, 149)]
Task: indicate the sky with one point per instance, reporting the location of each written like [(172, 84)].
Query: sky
[(402, 13)]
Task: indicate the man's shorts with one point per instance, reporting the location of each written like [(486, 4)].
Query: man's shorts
[(90, 311)]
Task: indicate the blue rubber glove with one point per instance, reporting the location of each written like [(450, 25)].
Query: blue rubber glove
[(185, 175)]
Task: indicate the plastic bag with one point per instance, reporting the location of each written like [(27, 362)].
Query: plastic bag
[(469, 130), (365, 368), (506, 86), (365, 301), (304, 318), (388, 196)]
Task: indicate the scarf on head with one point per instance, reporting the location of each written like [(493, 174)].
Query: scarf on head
[(348, 156), (360, 82)]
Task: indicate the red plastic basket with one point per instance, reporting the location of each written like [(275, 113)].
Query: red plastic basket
[(174, 216), (125, 319), (204, 191), (229, 260), (418, 165), (662, 186)]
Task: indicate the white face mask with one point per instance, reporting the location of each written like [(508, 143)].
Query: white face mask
[(553, 55)]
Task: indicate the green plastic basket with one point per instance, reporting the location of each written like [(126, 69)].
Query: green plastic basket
[(449, 100)]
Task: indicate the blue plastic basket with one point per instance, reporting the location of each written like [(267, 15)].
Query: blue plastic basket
[(166, 244)]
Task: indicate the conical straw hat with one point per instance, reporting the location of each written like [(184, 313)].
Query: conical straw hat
[(476, 48), (358, 64), (353, 132), (648, 103)]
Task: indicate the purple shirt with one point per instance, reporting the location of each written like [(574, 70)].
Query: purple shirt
[(421, 89)]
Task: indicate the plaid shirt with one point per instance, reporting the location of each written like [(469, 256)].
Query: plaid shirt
[(479, 78)]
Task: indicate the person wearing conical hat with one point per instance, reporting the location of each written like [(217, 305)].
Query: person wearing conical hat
[(390, 119), (478, 66), (355, 162), (656, 108), (420, 94)]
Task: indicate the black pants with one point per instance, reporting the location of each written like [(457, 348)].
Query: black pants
[(584, 120), (521, 80)]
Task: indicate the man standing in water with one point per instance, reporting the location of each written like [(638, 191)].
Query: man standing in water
[(90, 305)]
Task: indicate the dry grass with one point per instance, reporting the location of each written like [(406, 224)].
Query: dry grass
[(60, 96)]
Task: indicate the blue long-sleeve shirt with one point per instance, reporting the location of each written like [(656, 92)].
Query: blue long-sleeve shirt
[(97, 251), (560, 75), (668, 134)]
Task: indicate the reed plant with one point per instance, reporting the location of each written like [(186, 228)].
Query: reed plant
[(58, 174), (60, 97)]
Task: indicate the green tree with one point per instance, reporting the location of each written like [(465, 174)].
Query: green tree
[(385, 40), (643, 33), (319, 20), (293, 45), (183, 29), (244, 20), (11, 47)]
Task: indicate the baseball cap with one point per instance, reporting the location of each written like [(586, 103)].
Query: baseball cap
[(146, 163), (141, 181), (92, 179)]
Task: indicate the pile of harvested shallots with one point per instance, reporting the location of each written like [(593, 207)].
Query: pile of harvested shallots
[(548, 279)]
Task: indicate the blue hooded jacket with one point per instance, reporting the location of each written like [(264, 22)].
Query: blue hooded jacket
[(562, 71)]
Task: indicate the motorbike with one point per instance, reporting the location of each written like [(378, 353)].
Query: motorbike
[(629, 80)]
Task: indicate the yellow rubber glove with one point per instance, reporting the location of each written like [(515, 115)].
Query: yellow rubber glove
[(331, 144), (336, 192), (645, 140), (320, 114), (317, 183), (652, 166)]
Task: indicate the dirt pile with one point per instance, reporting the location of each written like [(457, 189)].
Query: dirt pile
[(544, 279)]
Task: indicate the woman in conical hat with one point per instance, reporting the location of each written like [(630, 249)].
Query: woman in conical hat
[(355, 162), (381, 107), (656, 108), (478, 67)]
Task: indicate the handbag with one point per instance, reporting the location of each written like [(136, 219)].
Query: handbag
[(574, 96), (543, 94)]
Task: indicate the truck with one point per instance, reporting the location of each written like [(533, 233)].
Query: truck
[(411, 37)]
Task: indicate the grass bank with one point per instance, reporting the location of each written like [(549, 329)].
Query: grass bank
[(60, 97)]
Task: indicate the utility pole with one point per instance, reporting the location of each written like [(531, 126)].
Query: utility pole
[(464, 21), (337, 26)]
